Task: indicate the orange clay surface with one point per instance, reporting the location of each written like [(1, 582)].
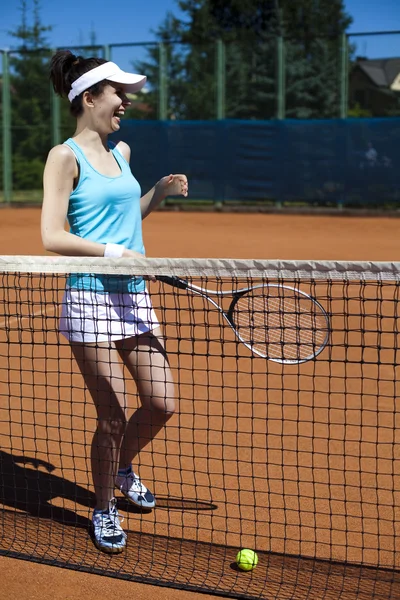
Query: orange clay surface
[(176, 234)]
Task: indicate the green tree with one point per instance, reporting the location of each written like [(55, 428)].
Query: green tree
[(30, 105), (189, 71), (312, 31)]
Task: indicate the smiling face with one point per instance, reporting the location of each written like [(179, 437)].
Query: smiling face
[(105, 111), (120, 102)]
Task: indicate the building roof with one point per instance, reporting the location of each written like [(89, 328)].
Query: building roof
[(383, 72)]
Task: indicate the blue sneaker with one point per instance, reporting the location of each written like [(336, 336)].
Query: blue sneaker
[(108, 533), (132, 488)]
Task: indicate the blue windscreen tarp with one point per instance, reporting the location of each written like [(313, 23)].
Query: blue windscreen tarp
[(353, 162)]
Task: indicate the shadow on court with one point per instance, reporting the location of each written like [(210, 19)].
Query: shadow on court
[(168, 503), (28, 484), (32, 528)]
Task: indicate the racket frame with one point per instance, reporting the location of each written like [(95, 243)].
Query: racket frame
[(236, 296)]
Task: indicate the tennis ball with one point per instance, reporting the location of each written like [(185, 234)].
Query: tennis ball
[(246, 559)]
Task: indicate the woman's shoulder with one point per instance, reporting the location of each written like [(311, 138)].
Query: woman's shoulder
[(124, 149), (63, 152), (63, 156)]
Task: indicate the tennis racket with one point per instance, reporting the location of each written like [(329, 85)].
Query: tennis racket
[(274, 321)]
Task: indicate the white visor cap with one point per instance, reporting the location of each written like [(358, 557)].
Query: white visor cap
[(132, 82)]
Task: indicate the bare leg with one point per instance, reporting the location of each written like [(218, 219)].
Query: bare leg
[(145, 357), (103, 377)]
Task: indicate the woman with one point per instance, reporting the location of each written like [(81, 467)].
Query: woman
[(107, 319)]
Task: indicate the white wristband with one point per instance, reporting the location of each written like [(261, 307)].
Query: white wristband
[(113, 250)]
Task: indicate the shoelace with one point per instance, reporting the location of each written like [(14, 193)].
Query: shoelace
[(109, 527), (136, 484), (111, 522)]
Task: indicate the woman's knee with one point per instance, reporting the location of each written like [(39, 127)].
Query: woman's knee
[(161, 408), (112, 426)]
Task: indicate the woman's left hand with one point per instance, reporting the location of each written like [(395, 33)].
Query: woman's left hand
[(173, 185)]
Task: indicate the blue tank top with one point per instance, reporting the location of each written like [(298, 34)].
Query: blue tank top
[(106, 209)]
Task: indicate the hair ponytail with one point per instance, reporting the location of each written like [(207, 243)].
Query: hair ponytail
[(65, 68)]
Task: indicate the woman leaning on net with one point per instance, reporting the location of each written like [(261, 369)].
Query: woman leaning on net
[(108, 320)]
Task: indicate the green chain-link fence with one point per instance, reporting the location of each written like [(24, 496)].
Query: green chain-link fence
[(276, 79)]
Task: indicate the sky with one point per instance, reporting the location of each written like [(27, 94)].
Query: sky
[(133, 21)]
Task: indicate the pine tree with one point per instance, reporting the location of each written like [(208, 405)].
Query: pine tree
[(190, 70), (311, 29), (30, 104)]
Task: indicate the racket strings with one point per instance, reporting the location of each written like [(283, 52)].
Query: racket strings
[(281, 326)]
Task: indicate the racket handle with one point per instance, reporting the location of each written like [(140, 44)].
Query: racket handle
[(174, 281)]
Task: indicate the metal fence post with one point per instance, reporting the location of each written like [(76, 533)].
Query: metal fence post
[(344, 77), (107, 51), (280, 78), (162, 99), (55, 116), (7, 146), (221, 64)]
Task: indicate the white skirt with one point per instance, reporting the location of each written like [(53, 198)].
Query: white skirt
[(91, 317)]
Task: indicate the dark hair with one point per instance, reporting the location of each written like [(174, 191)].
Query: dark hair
[(65, 68)]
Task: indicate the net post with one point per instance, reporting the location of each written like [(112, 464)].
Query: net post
[(7, 146)]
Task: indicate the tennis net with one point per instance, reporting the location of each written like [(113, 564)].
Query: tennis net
[(298, 460)]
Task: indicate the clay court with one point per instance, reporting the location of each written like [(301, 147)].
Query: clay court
[(178, 527)]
